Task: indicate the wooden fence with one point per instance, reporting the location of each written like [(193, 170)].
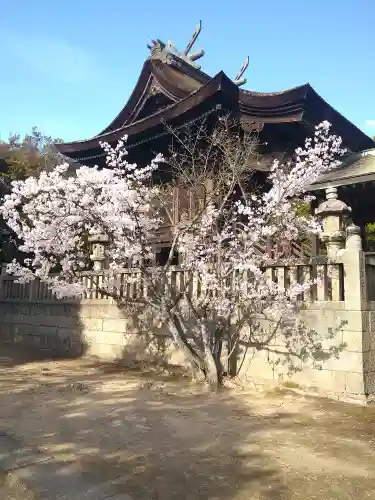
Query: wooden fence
[(329, 284)]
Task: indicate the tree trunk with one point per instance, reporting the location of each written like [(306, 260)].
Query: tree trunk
[(194, 362), (233, 351), (212, 370), (198, 363)]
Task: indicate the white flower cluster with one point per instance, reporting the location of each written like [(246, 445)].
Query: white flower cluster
[(55, 213)]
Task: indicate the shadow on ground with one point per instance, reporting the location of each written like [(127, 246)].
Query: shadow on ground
[(157, 437), (13, 355)]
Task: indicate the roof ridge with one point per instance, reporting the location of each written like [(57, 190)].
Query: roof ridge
[(285, 91)]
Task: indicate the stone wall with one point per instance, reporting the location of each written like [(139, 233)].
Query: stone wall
[(91, 328), (100, 329), (97, 327), (52, 326), (340, 373)]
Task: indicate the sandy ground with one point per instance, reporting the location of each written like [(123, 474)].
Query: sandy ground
[(159, 437)]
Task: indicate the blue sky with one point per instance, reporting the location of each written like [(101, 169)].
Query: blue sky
[(69, 67)]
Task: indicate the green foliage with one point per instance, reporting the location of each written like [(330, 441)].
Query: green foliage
[(22, 158), (370, 236), (302, 208), (19, 159), (370, 231)]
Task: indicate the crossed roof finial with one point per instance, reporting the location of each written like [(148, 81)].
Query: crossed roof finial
[(238, 80), (158, 46)]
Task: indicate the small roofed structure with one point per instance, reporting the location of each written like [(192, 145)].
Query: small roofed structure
[(172, 89)]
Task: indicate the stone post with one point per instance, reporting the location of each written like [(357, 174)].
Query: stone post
[(357, 298), (333, 211), (98, 255), (353, 239), (356, 329), (353, 259)]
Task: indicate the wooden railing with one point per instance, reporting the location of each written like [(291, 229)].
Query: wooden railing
[(329, 283), (302, 251), (34, 291)]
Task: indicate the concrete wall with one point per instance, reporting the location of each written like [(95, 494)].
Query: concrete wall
[(347, 373), (100, 329), (91, 327), (52, 326)]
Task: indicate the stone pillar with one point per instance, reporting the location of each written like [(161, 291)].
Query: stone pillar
[(333, 212), (353, 259), (355, 315), (353, 239), (98, 255)]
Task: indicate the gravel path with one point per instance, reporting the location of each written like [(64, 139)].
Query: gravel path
[(157, 437)]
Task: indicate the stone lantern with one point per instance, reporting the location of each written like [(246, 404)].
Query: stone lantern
[(98, 249), (333, 212)]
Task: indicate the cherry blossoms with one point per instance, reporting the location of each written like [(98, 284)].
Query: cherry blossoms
[(55, 215), (227, 293)]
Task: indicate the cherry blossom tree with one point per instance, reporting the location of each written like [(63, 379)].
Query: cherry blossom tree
[(221, 293)]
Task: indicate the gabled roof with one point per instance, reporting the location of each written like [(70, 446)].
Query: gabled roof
[(220, 84), (157, 77), (170, 90)]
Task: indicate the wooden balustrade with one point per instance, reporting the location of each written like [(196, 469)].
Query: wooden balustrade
[(329, 284)]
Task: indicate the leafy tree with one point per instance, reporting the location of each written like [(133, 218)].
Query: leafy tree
[(21, 158)]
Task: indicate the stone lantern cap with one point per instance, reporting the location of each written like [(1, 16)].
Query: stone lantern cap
[(332, 206)]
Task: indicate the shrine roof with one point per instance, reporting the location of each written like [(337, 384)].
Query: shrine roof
[(172, 89)]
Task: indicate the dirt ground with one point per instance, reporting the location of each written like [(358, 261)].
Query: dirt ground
[(159, 437)]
